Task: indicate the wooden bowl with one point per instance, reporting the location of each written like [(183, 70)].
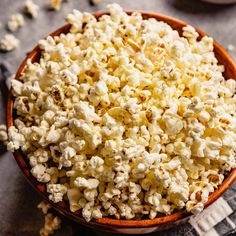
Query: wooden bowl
[(109, 224)]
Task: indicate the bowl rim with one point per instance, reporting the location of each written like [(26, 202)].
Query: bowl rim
[(61, 206)]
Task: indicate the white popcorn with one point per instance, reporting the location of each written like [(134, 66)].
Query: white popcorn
[(123, 116), (177, 49), (88, 211), (16, 21), (16, 86), (231, 85), (86, 112), (90, 194), (204, 116), (67, 154), (101, 88), (57, 191), (39, 172), (194, 207), (178, 193), (190, 33), (173, 126), (9, 43), (15, 139), (230, 48), (53, 135), (31, 8), (75, 19), (86, 183)]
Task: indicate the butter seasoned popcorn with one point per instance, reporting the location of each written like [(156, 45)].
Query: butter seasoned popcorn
[(124, 117)]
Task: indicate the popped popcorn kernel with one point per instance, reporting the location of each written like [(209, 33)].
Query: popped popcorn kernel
[(16, 21), (31, 8), (51, 224), (9, 43)]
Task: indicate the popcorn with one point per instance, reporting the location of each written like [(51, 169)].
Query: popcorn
[(39, 172), (173, 126), (178, 193), (31, 8), (86, 183), (67, 154), (53, 135), (55, 4), (16, 21), (51, 224), (194, 207), (16, 140), (44, 207), (3, 134), (230, 48), (57, 191), (190, 33), (122, 116), (9, 43), (101, 88)]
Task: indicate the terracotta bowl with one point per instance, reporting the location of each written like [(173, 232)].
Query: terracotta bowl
[(109, 224)]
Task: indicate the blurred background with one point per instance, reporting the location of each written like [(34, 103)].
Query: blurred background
[(19, 215)]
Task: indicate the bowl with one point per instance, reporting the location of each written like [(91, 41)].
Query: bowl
[(109, 224)]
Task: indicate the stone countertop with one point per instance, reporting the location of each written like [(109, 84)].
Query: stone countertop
[(19, 215)]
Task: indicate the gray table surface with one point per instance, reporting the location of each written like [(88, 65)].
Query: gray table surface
[(18, 213)]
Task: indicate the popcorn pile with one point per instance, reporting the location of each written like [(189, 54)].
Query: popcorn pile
[(51, 222), (123, 117)]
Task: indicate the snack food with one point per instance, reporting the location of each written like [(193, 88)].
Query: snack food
[(126, 118), (16, 21), (31, 9), (8, 43)]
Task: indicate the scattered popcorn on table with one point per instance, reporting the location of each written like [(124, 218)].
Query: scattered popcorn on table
[(55, 4), (31, 8), (44, 206), (230, 48), (122, 117), (51, 224), (16, 21), (8, 43)]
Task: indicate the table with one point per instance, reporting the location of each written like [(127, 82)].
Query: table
[(19, 215)]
